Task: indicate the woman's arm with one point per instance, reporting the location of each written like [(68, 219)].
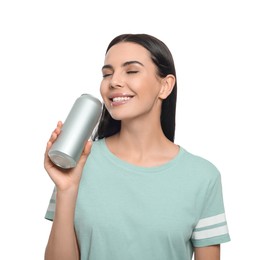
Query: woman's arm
[(207, 253), (62, 242)]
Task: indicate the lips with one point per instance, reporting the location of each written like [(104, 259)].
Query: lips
[(119, 99)]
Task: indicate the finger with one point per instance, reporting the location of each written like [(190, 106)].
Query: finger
[(60, 124), (49, 144), (87, 148), (46, 157), (85, 153), (53, 137), (56, 132)]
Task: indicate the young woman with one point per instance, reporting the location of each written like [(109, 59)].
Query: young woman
[(135, 194)]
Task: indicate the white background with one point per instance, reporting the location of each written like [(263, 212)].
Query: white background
[(52, 51)]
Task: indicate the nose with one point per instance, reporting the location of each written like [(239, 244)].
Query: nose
[(116, 81)]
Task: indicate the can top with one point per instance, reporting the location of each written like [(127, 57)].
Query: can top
[(91, 97)]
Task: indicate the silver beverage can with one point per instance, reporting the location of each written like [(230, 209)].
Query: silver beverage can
[(76, 131)]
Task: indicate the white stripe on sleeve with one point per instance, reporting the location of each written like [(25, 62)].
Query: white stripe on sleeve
[(208, 233), (205, 222)]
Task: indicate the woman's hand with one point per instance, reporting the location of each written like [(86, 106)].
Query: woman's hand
[(65, 179)]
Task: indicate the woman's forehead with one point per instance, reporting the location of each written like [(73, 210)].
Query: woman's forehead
[(125, 51)]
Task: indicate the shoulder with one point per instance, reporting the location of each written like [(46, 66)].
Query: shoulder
[(200, 166), (96, 150), (97, 145), (97, 142)]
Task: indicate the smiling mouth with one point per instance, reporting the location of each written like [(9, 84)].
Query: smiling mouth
[(120, 100)]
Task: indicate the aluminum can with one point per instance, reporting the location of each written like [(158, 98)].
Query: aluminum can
[(76, 131)]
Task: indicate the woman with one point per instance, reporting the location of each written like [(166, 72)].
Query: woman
[(135, 194)]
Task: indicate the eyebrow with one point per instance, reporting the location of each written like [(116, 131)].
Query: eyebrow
[(108, 66)]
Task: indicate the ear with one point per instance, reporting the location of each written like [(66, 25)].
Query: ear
[(168, 84)]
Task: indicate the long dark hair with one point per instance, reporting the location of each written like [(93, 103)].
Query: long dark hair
[(162, 58)]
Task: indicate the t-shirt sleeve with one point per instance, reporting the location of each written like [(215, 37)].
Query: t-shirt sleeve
[(212, 229), (51, 208)]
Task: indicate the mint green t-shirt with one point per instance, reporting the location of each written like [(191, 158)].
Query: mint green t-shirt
[(128, 212)]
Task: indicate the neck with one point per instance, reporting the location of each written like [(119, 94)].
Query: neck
[(146, 144), (141, 134)]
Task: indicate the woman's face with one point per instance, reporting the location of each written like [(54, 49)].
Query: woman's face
[(130, 87)]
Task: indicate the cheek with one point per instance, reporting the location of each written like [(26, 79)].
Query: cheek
[(102, 90), (104, 93)]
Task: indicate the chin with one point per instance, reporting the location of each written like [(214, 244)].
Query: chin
[(120, 116)]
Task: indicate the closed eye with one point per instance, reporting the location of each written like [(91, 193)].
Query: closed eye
[(132, 71), (107, 75)]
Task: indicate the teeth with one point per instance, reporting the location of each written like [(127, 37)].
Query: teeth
[(118, 99)]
